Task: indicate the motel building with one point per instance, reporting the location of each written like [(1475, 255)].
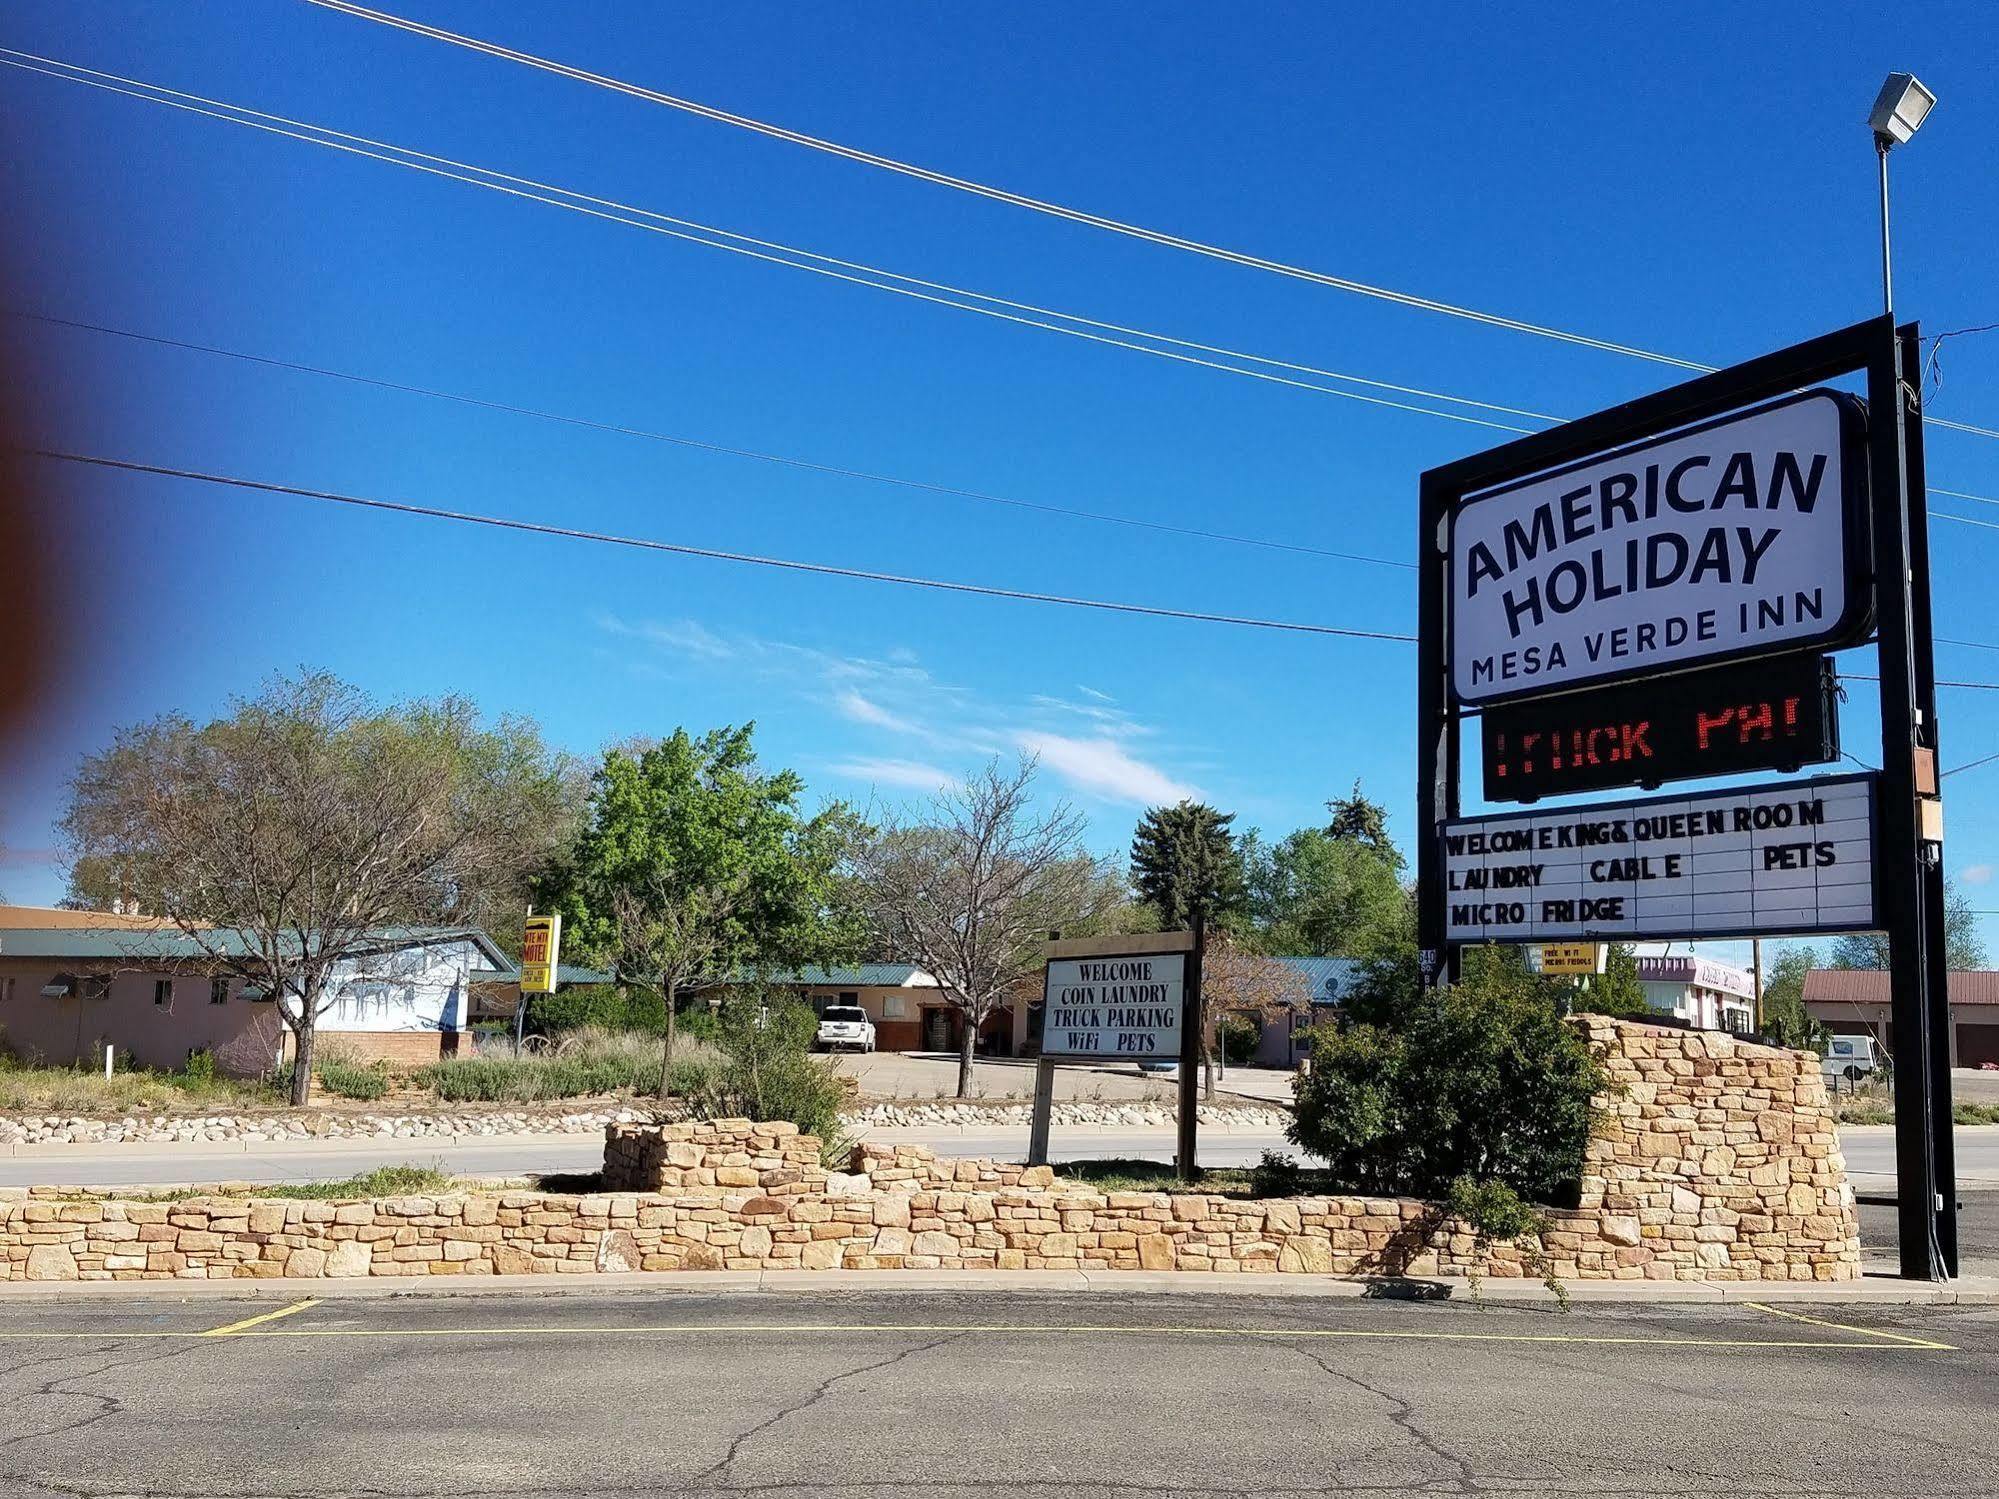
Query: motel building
[(1855, 1002), (1705, 993), (75, 982)]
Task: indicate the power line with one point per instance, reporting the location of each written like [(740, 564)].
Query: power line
[(772, 252), (1973, 764), (401, 507), (613, 211), (538, 528), (808, 465), (1020, 200), (921, 485), (997, 194)]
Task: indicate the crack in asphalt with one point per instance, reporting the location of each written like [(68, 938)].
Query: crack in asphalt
[(1402, 1414), (107, 1405), (823, 1389)]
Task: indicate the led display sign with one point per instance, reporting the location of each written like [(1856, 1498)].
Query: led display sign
[(1777, 714)]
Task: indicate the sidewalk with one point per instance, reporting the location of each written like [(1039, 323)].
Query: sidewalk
[(1872, 1291)]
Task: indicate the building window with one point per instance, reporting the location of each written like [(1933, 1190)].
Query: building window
[(163, 991), (850, 996), (218, 991), (97, 986), (6, 990), (895, 1007)]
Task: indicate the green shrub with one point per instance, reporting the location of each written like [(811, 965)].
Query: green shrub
[(1239, 1035), (602, 1007), (347, 1079), (1276, 1175), (586, 1062), (1482, 1079), (766, 1071), (200, 1069)]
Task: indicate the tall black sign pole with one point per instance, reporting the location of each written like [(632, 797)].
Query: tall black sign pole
[(1902, 875), (1936, 948)]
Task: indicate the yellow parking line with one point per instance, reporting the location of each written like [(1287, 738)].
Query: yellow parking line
[(1871, 1332), (236, 1329)]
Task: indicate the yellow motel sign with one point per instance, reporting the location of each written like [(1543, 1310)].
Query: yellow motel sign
[(1562, 959), (541, 943)]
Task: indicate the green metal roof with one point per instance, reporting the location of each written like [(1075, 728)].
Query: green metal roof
[(860, 976), (138, 945)]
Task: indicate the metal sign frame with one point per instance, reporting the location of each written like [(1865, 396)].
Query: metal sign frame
[(1855, 619), (1637, 804), (1908, 874)]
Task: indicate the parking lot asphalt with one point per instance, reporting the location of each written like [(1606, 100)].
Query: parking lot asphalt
[(988, 1394)]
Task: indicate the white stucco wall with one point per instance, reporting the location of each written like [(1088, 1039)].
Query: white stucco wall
[(414, 989)]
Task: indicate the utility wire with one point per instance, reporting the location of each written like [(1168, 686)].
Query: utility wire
[(402, 507), (997, 194), (1973, 764), (614, 211), (538, 528), (773, 252), (921, 485), (1019, 200), (485, 403)]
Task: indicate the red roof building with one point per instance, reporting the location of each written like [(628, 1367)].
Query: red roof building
[(1854, 1002)]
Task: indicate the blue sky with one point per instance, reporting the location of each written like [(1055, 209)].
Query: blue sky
[(1702, 185)]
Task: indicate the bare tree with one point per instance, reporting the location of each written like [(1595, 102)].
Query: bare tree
[(282, 840), (1234, 982), (971, 892)]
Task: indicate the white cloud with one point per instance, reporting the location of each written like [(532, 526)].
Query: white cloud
[(1976, 874), (886, 772), (1088, 691), (1103, 768), (685, 637), (852, 705)]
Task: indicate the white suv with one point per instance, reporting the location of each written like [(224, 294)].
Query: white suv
[(846, 1025)]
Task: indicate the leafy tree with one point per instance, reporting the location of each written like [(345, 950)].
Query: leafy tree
[(692, 862), (1964, 949), (1785, 1019), (1185, 862), (971, 891), (1316, 895), (1481, 1080), (1615, 991), (1355, 819), (768, 1072), (279, 839)]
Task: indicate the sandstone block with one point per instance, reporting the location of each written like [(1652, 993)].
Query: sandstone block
[(348, 1260)]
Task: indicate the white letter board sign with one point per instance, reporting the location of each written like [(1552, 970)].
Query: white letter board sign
[(1737, 538), (1117, 1008), (1791, 858)]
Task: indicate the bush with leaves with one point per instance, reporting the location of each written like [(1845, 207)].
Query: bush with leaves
[(596, 1006), (1421, 1087), (767, 1071)]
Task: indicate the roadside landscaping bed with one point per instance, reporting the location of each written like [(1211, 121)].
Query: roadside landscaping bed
[(1866, 1110)]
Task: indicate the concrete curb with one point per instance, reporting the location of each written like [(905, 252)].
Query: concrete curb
[(1971, 1291)]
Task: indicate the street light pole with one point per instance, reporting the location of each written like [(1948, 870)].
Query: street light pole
[(1882, 145)]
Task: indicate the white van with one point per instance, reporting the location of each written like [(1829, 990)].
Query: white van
[(1850, 1058)]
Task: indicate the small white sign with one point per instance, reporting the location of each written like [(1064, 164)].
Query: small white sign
[(1731, 539), (1117, 1008), (1777, 859)]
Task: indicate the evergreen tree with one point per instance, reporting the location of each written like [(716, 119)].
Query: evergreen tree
[(1184, 861)]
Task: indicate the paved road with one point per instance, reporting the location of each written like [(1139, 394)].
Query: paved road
[(138, 1165), (993, 1395), (1870, 1155)]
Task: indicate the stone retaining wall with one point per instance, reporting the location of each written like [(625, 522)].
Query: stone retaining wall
[(1713, 1160)]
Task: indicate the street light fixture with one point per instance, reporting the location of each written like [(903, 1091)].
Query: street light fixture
[(1898, 114), (1900, 110)]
